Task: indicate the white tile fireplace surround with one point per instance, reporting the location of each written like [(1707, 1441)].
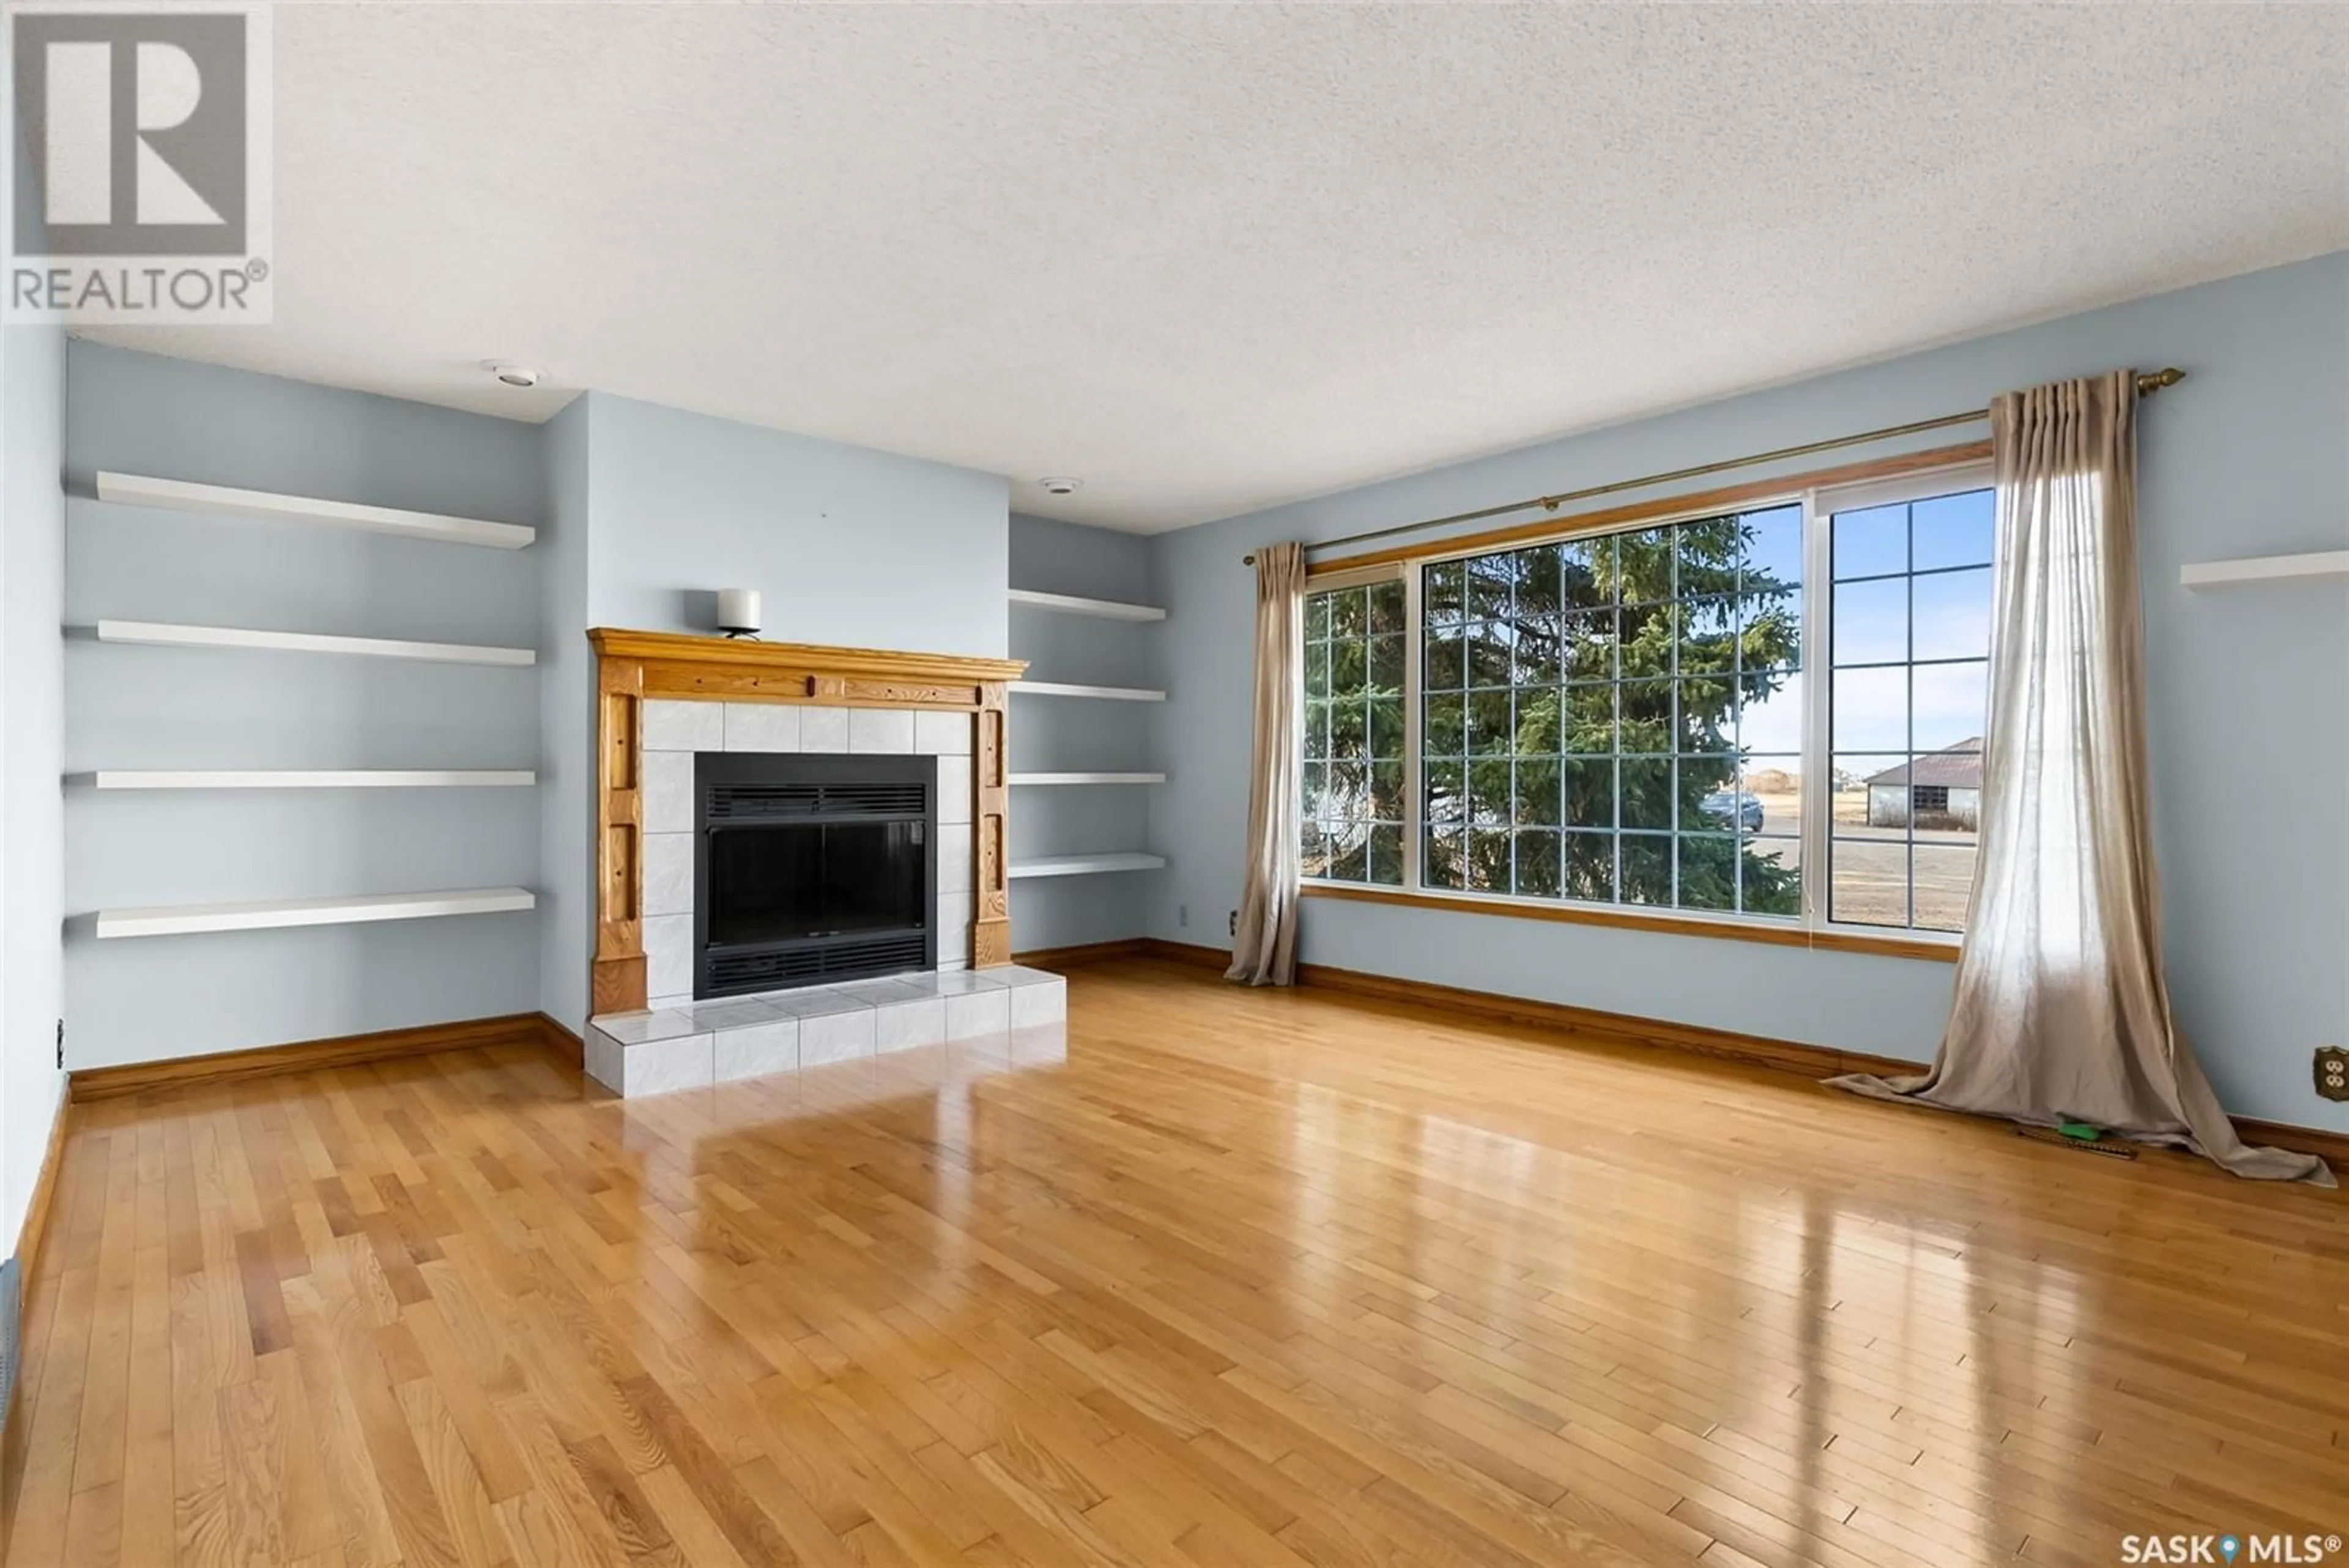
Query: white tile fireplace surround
[(699, 1043), (673, 731), (677, 1042)]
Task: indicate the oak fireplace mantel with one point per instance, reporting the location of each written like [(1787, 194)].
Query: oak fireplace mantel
[(633, 668)]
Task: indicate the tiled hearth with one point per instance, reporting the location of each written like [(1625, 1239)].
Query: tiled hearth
[(698, 1043)]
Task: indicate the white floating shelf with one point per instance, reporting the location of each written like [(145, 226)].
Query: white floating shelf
[(161, 635), (1087, 778), (186, 495), (2323, 566), (1103, 609), (183, 918), (1111, 693), (459, 778), (1085, 865)]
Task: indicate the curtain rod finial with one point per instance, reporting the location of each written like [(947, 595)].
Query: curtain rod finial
[(2153, 381)]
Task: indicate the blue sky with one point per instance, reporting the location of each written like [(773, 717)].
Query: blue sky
[(1880, 617)]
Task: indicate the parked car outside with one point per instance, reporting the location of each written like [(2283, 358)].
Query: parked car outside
[(1738, 805)]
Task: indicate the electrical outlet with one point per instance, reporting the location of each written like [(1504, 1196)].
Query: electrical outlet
[(1182, 914), (2332, 1072), (1236, 923)]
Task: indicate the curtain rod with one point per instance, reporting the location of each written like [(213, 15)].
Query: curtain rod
[(2148, 384)]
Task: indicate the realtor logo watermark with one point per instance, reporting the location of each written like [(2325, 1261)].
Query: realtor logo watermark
[(149, 133)]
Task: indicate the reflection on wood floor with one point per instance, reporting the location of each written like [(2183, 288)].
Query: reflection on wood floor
[(1240, 1278)]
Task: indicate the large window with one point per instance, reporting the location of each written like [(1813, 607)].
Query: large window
[(1624, 719)]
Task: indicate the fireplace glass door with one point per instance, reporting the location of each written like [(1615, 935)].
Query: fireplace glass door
[(812, 868)]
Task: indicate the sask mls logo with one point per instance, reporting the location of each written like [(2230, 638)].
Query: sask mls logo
[(2229, 1550), (147, 131)]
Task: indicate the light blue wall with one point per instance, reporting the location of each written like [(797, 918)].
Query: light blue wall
[(653, 509), (2249, 727), (566, 778), (32, 691), (128, 706), (850, 546), (1062, 735)]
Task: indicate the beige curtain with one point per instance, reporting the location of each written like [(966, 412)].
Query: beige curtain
[(2061, 1012), (1264, 948)]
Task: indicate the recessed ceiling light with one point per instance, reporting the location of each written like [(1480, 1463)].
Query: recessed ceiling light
[(1061, 486), (512, 375)]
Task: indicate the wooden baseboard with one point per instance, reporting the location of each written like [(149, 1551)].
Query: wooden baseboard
[(29, 1237), (560, 1044), (1780, 1056), (343, 1051), (1086, 952), (1617, 1028), (36, 1227), (1190, 953), (2331, 1147)]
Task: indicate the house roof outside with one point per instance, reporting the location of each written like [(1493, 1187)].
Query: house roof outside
[(1952, 767)]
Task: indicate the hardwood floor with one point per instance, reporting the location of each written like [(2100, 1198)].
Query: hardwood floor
[(1240, 1278)]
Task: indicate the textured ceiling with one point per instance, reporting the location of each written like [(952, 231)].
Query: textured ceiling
[(1211, 257)]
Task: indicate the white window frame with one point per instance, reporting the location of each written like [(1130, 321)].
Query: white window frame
[(1819, 507), (1816, 827)]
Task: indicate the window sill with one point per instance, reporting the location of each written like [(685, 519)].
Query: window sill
[(1931, 950)]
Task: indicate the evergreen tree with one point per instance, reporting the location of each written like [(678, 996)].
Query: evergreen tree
[(1570, 689)]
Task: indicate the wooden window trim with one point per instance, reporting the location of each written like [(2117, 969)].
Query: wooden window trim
[(1661, 923), (1689, 504)]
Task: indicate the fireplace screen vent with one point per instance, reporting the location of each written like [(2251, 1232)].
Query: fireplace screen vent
[(751, 802), (775, 968)]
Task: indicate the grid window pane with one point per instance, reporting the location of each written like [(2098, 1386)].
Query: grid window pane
[(1587, 572), (1490, 578), (1952, 615), (1945, 880), (1489, 722), (1646, 862), (1770, 550), (1908, 733), (1488, 859), (1592, 749), (1443, 594), (1770, 876), (1871, 709), (1353, 802), (1951, 704), (1647, 793), (1869, 886), (1952, 530), (1589, 869), (1587, 651), (1442, 725), (1537, 866), (1871, 621), (1769, 627), (1538, 791), (1870, 543), (1443, 860), (1588, 791), (1491, 646), (1708, 870), (1770, 712)]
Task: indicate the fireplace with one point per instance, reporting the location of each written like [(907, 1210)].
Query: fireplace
[(811, 868)]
